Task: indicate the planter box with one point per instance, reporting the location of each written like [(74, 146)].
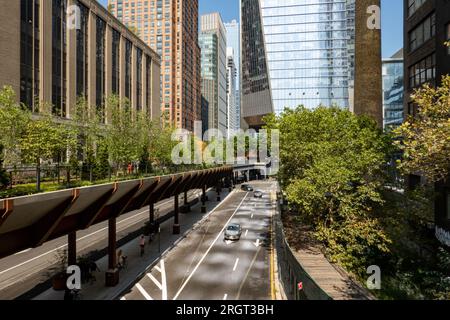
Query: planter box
[(59, 282)]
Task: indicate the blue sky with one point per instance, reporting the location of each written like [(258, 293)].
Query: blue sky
[(392, 14)]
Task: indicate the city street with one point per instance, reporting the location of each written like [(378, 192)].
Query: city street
[(203, 266), (21, 272)]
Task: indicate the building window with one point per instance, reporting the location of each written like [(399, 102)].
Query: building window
[(128, 64), (59, 58), (448, 38), (139, 79), (82, 52), (100, 66), (423, 72), (149, 84), (448, 205), (413, 5), (423, 32), (29, 52), (115, 62)]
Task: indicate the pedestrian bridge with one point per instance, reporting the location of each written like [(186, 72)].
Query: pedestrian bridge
[(30, 221)]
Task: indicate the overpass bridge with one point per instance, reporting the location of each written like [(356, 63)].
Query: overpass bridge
[(30, 221)]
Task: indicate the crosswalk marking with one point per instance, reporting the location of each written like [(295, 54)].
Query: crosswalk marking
[(143, 292)]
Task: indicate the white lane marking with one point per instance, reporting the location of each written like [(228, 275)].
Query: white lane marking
[(163, 281), (209, 249), (252, 215), (257, 243), (79, 239), (236, 264), (163, 284), (225, 297), (228, 242), (143, 292), (158, 269), (248, 272), (246, 233), (24, 251), (156, 282)]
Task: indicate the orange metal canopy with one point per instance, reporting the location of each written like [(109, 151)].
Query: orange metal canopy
[(30, 221)]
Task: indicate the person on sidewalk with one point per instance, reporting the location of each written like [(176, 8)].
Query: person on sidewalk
[(142, 244)]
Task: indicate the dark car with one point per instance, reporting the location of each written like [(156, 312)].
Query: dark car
[(246, 187)]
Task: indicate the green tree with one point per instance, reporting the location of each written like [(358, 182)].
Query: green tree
[(14, 118), (43, 140), (102, 167), (4, 180), (120, 133), (332, 171), (161, 146), (425, 137), (88, 131)]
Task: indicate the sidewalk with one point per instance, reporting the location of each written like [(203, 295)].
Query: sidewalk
[(321, 279), (138, 265)]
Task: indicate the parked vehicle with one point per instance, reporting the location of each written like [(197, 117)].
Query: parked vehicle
[(246, 187)]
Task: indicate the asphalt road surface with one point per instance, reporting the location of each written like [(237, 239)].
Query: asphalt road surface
[(205, 267), (21, 272)]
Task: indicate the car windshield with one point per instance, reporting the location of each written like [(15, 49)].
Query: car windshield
[(233, 228)]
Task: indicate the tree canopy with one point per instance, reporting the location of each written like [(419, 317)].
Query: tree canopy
[(424, 137), (332, 171)]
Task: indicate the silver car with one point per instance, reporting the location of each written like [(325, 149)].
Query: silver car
[(258, 194), (233, 232)]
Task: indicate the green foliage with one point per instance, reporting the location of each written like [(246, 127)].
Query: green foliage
[(102, 166), (44, 139), (4, 179), (14, 118), (121, 132), (332, 171), (425, 138), (161, 146)]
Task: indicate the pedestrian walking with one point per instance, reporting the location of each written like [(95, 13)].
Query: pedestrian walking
[(142, 244)]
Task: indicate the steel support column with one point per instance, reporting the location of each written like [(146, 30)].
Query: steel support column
[(112, 274), (204, 199), (152, 212), (72, 248), (176, 225)]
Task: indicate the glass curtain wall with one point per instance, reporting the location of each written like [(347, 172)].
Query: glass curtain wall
[(310, 51)]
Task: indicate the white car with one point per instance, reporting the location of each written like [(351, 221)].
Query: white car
[(258, 194), (233, 232)]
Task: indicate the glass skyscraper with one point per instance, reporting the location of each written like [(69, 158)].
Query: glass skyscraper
[(310, 49), (393, 91), (234, 41)]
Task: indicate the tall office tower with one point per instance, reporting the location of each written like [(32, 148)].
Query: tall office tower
[(170, 27), (393, 91), (232, 111), (46, 59), (234, 41), (256, 97), (426, 60), (213, 43), (312, 52), (309, 46)]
